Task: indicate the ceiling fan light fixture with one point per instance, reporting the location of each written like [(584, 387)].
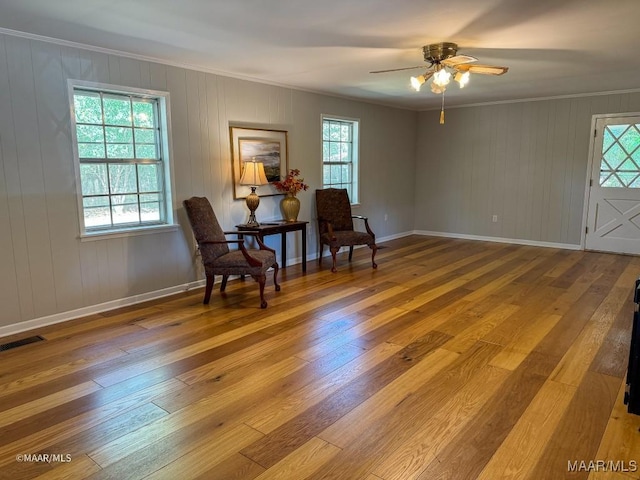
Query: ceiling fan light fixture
[(416, 82), (462, 78), (442, 77), (435, 88)]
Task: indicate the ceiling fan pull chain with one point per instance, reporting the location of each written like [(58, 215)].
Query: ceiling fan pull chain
[(442, 110)]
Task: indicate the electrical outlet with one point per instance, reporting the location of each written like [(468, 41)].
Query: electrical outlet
[(494, 219), (385, 217)]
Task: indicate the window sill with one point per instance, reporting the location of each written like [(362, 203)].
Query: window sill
[(107, 234)]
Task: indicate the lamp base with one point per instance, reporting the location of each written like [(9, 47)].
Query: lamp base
[(253, 200)]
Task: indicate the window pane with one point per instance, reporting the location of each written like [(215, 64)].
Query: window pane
[(334, 152), (146, 151), (118, 135), (150, 211), (346, 173), (148, 178), (93, 177), (325, 130), (97, 217), (335, 173), (143, 114), (345, 152), (326, 174), (125, 209), (345, 133), (117, 150), (150, 198), (117, 111), (334, 131), (96, 201), (122, 178), (144, 135), (91, 150), (87, 107), (125, 213), (90, 133)]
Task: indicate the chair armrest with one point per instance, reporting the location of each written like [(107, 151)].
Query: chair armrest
[(218, 242), (366, 224), (254, 262), (256, 234)]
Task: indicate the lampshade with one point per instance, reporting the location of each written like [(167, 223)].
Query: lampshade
[(253, 174)]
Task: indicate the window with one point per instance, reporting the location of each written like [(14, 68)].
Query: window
[(121, 139), (340, 155)]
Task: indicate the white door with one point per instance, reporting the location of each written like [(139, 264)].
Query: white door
[(613, 218)]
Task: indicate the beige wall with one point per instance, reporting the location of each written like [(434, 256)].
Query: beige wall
[(525, 162), (47, 273)]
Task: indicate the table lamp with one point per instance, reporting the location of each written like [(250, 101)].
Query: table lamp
[(254, 176)]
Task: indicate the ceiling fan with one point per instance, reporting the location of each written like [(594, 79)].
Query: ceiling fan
[(444, 61)]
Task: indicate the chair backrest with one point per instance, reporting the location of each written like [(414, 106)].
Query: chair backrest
[(205, 228), (333, 205)]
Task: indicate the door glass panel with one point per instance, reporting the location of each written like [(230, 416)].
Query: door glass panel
[(620, 156)]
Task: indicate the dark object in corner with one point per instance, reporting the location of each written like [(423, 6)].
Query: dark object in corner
[(632, 393), (19, 343)]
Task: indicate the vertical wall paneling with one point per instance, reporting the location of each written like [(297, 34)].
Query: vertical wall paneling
[(9, 287), (54, 130), (529, 166), (31, 172)]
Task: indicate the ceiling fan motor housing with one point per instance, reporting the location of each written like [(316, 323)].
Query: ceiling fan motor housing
[(436, 52)]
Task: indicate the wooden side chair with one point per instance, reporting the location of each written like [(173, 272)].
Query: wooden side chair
[(335, 225), (218, 259)]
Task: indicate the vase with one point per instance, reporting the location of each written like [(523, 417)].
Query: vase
[(290, 206)]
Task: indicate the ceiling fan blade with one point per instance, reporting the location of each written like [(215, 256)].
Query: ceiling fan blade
[(482, 69), (458, 60), (398, 69)]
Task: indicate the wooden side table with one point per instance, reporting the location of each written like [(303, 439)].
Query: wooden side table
[(281, 227)]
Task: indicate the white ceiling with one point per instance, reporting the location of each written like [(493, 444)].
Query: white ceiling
[(552, 47)]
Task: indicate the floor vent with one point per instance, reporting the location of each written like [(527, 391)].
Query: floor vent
[(19, 343)]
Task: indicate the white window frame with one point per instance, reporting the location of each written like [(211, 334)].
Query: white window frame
[(164, 116), (354, 194)]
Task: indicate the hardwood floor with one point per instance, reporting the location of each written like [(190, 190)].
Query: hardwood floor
[(454, 359)]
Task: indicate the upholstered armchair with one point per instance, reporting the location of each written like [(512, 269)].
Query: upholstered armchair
[(335, 225), (218, 259)]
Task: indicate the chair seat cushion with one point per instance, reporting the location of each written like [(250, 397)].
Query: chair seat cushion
[(234, 263), (347, 238)]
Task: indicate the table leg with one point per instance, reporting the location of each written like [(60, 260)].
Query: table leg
[(304, 248), (284, 248)]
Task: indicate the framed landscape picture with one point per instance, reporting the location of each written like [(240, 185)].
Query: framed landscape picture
[(261, 145)]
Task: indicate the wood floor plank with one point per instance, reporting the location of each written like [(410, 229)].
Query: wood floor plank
[(454, 359), (579, 432), (525, 444)]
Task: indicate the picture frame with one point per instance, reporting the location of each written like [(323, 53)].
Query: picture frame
[(265, 145)]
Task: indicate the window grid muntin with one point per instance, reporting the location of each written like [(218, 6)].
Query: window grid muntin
[(135, 161), (618, 167)]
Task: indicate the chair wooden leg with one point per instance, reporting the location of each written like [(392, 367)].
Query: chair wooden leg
[(223, 285), (350, 252), (374, 249), (208, 288), (334, 252), (320, 252), (262, 279), (276, 267)]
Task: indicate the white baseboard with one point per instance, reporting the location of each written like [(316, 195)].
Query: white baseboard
[(92, 309), (516, 241)]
